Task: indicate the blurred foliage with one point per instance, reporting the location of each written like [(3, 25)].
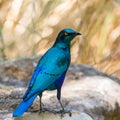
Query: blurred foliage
[(30, 27)]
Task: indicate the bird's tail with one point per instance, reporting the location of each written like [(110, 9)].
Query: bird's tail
[(23, 106)]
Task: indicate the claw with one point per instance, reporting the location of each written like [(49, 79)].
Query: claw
[(66, 112), (63, 112)]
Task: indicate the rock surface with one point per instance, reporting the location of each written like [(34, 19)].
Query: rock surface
[(49, 116), (91, 93)]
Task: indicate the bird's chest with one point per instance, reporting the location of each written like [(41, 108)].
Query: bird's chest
[(64, 59)]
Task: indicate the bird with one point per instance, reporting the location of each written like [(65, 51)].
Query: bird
[(50, 71)]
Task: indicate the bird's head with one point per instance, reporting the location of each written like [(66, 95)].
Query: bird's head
[(66, 35)]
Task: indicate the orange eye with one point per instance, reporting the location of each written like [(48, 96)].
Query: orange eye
[(66, 34)]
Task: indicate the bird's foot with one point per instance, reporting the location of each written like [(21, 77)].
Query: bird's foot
[(34, 110), (63, 112), (40, 110), (44, 110)]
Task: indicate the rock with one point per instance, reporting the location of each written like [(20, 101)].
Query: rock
[(49, 116), (91, 93), (94, 95)]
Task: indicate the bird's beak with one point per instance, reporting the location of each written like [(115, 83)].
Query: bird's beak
[(77, 33)]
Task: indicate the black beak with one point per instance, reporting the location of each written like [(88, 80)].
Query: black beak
[(77, 33)]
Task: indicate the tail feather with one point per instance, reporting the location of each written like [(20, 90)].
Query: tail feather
[(23, 106)]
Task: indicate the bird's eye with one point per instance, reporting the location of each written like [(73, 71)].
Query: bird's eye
[(66, 34)]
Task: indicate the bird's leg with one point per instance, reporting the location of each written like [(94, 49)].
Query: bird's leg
[(40, 96), (63, 111), (61, 105), (41, 108)]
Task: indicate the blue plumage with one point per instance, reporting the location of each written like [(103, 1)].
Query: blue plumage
[(50, 71)]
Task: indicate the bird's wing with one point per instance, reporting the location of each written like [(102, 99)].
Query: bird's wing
[(33, 79), (51, 66)]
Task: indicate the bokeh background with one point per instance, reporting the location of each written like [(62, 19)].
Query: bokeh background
[(30, 27)]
